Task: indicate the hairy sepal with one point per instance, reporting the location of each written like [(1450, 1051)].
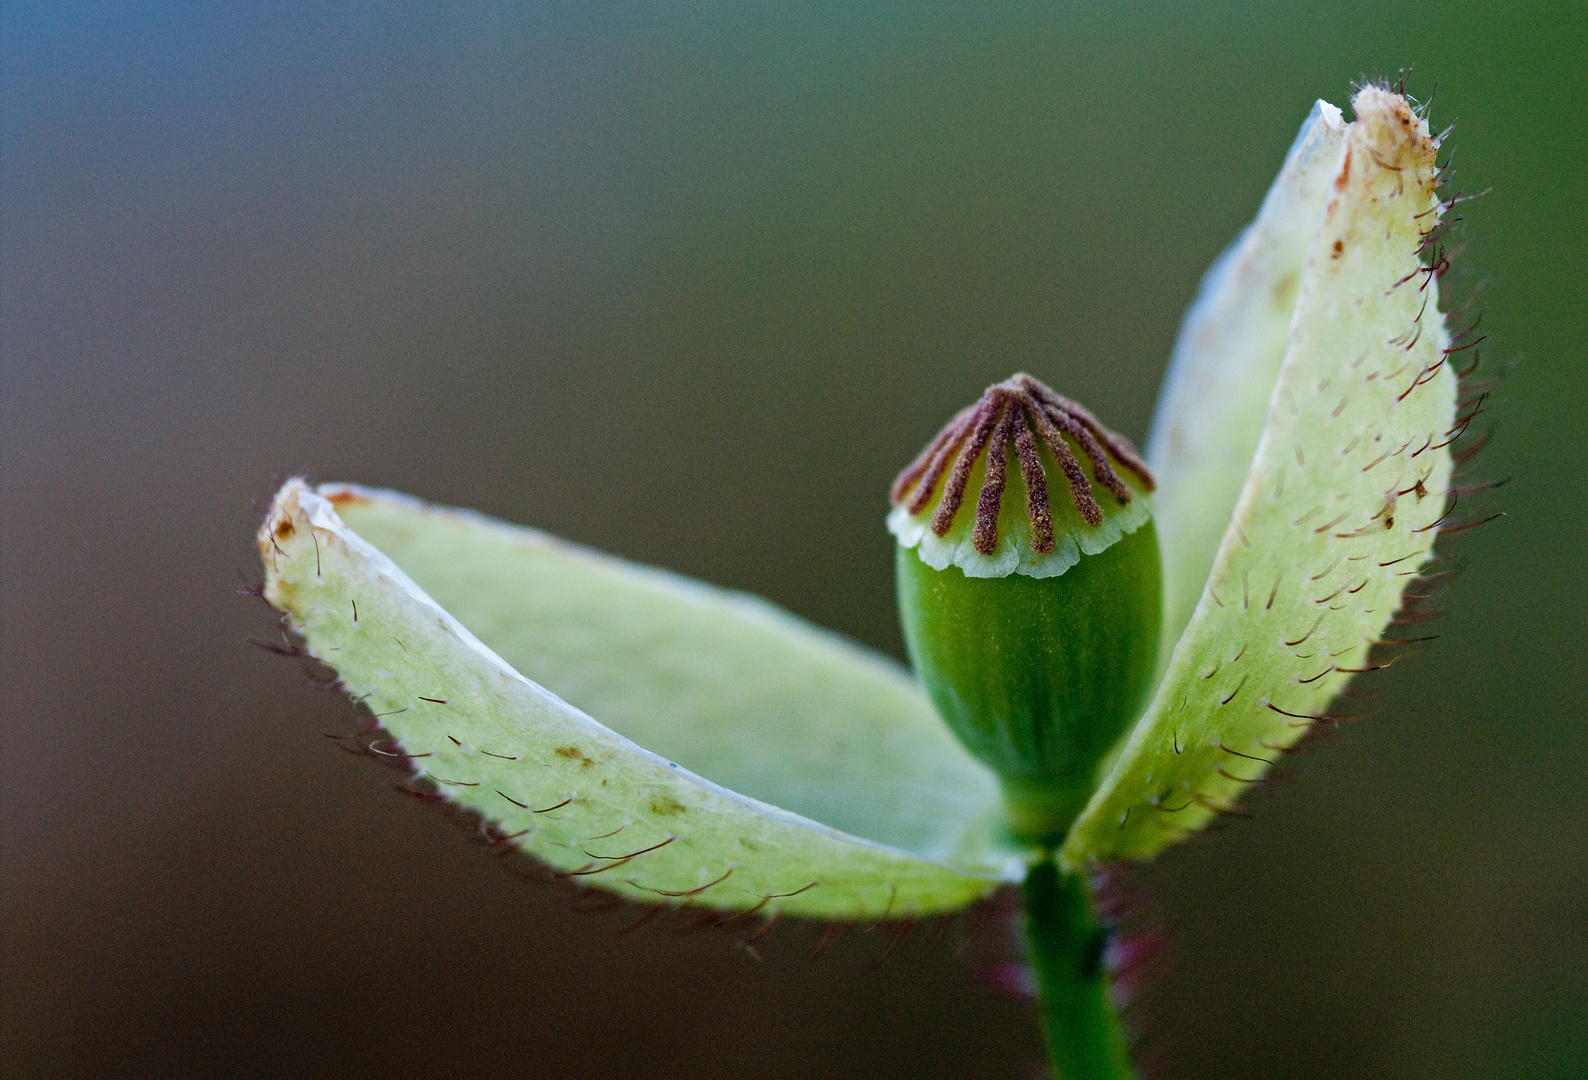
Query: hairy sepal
[(1336, 516), (576, 795), (1225, 364)]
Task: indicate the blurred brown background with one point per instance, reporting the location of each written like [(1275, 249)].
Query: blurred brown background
[(689, 281)]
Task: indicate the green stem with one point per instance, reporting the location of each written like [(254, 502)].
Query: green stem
[(1085, 1041)]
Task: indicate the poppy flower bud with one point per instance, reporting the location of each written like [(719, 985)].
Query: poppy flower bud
[(1030, 588)]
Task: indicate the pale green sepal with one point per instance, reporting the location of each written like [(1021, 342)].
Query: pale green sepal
[(1336, 517), (726, 684), (1225, 362), (630, 821), (1073, 537)]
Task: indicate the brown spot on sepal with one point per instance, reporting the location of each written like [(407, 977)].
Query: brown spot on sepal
[(667, 806), (573, 753), (1345, 171), (340, 497), (1283, 293)]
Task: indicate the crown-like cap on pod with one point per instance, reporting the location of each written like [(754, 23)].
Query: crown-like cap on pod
[(1032, 622), (951, 503)]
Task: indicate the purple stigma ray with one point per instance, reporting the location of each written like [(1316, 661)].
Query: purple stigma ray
[(954, 490), (1094, 453), (1019, 410), (1117, 445), (1080, 489), (1037, 508), (985, 536), (956, 431), (928, 457)]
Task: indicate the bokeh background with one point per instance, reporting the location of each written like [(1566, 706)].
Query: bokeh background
[(689, 281)]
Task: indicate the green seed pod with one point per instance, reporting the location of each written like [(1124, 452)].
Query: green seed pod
[(1033, 625)]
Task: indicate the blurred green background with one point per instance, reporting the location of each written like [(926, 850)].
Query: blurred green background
[(690, 281)]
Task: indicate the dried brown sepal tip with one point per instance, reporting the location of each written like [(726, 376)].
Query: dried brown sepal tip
[(1018, 409)]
